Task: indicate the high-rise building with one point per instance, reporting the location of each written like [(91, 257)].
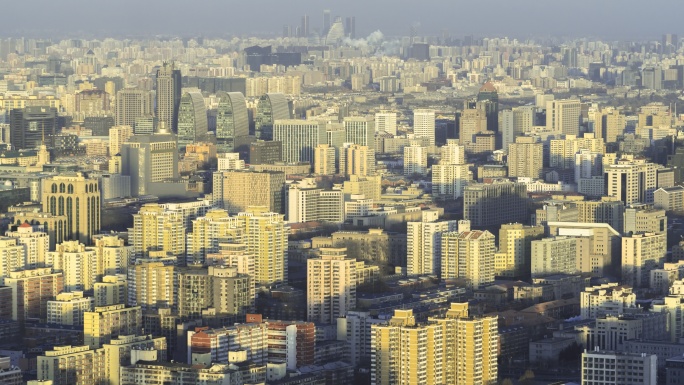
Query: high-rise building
[(424, 125), (415, 160), (562, 151), (326, 22), (78, 198), (152, 286), (69, 308), (148, 159), (132, 104), (330, 285), (306, 202), (457, 349), (514, 123), (168, 95), (304, 28), (34, 245), (642, 253), (192, 118), (71, 365), (30, 126), (488, 101), (609, 368), (608, 124), (324, 160), (194, 291), (267, 239), (386, 121), (606, 299), (78, 265), (357, 160), (495, 203), (631, 181), (262, 152), (12, 257), (229, 161), (452, 174), (468, 255), (514, 256), (608, 210), (215, 345), (299, 138), (120, 352), (232, 292), (31, 290), (557, 255), (471, 123), (644, 219), (360, 130), (157, 230), (118, 135), (271, 107), (113, 290), (236, 190), (232, 120), (563, 116), (525, 158), (424, 243), (106, 323)]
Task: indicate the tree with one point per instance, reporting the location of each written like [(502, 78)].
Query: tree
[(527, 378)]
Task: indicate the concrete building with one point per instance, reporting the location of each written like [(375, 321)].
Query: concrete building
[(168, 95), (118, 135), (360, 130), (157, 230), (119, 353), (113, 290), (563, 116), (557, 255), (424, 125), (78, 198), (71, 365), (669, 198), (236, 190), (331, 285), (306, 202), (262, 152), (631, 181), (424, 243), (325, 159), (415, 160), (31, 290), (495, 203), (132, 104), (386, 121), (610, 368), (69, 308), (78, 265), (469, 256), (563, 152), (106, 323), (217, 345), (609, 210), (515, 250), (152, 286), (644, 219), (149, 159), (230, 161), (642, 253), (607, 299), (299, 138), (232, 290), (356, 160), (525, 158)]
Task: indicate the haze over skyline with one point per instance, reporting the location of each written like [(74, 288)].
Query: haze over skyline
[(609, 19)]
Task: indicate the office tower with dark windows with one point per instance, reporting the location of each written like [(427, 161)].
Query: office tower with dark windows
[(168, 95), (192, 118), (271, 107), (232, 120), (488, 101), (149, 158), (31, 125)]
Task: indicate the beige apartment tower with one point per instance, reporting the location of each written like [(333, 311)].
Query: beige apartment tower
[(331, 285), (525, 158), (78, 198), (236, 190)]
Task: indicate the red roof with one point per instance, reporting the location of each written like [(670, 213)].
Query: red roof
[(25, 224), (488, 87)]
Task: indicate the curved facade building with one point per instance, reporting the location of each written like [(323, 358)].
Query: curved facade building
[(232, 120), (271, 107), (192, 118)]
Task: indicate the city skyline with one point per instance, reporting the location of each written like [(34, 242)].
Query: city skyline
[(520, 19)]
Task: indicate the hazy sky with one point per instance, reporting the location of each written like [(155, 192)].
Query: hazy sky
[(612, 19)]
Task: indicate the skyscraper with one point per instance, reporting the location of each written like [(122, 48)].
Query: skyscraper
[(232, 120), (149, 158), (525, 158), (424, 125), (271, 107), (131, 104), (299, 138), (78, 198), (488, 101), (326, 21), (424, 244), (468, 255), (563, 116), (192, 118), (330, 285), (168, 95), (415, 160), (31, 125), (304, 28), (360, 130)]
